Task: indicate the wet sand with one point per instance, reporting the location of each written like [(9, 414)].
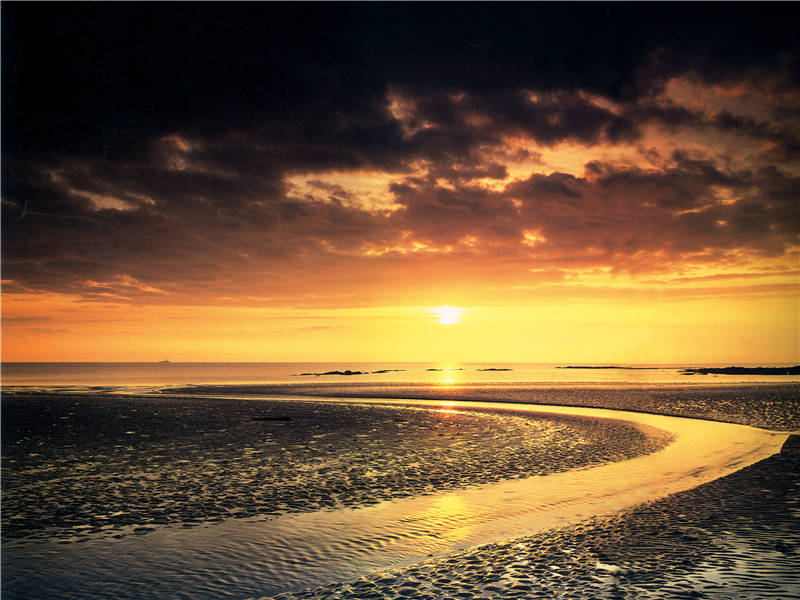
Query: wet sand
[(237, 559), (770, 406), (734, 537)]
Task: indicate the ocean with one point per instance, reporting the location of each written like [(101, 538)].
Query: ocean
[(142, 374)]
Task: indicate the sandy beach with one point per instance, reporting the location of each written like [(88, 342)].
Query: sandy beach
[(144, 468), (766, 405), (84, 466), (385, 300)]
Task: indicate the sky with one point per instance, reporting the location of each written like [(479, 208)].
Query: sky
[(265, 182)]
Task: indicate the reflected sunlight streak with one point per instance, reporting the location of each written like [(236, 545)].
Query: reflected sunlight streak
[(448, 315)]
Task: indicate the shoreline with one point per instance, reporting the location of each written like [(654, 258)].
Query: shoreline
[(136, 386), (734, 537), (768, 406), (251, 458), (525, 488)]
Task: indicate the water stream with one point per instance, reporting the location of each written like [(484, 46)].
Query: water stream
[(244, 558)]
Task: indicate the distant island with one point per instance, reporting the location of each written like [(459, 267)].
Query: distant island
[(795, 370), (703, 370), (493, 369)]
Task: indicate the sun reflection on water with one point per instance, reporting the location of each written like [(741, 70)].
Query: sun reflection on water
[(447, 519), (449, 375)]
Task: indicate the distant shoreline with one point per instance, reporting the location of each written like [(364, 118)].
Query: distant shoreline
[(795, 370), (349, 372)]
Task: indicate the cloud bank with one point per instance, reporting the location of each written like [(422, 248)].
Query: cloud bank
[(262, 155)]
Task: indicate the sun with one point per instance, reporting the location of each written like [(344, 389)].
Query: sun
[(448, 315)]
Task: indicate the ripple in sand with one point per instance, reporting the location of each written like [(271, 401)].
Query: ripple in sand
[(115, 466)]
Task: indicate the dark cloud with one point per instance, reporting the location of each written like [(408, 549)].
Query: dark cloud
[(147, 149), (226, 243)]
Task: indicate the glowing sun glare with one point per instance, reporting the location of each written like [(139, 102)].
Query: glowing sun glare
[(448, 315)]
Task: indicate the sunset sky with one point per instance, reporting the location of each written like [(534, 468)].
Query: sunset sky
[(267, 182)]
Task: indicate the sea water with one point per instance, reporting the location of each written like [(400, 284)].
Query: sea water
[(109, 495), (250, 557)]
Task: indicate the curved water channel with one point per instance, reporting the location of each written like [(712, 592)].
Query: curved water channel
[(246, 558)]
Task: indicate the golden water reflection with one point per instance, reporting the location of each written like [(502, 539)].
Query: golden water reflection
[(447, 519), (306, 548)]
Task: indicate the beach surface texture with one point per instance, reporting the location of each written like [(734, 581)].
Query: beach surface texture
[(601, 503)]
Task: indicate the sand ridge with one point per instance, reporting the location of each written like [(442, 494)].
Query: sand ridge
[(355, 537)]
